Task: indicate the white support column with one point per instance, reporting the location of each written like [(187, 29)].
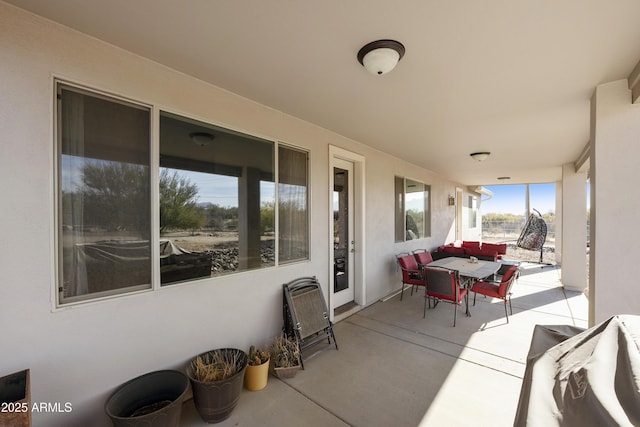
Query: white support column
[(558, 223), (614, 204), (574, 228)]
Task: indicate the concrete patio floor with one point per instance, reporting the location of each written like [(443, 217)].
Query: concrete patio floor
[(396, 368)]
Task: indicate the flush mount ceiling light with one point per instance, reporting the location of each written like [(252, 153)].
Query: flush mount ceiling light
[(381, 56), (201, 138), (480, 155)]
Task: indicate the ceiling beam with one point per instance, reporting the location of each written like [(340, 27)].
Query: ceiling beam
[(582, 163)]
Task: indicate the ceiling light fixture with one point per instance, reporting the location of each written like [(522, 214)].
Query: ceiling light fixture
[(201, 138), (480, 155), (381, 56)]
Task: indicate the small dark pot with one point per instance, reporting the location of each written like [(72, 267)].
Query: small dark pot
[(286, 373), (215, 400), (153, 399)]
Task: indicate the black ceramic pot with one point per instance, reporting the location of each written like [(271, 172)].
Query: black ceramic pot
[(153, 399), (215, 400)]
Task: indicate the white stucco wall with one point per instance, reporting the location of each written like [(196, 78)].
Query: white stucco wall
[(614, 203), (80, 354), (574, 229)]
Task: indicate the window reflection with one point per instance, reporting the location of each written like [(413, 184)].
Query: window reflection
[(414, 209), (217, 199), (412, 206), (216, 195), (293, 204), (104, 197)]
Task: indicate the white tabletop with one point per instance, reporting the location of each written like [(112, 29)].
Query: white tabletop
[(477, 270)]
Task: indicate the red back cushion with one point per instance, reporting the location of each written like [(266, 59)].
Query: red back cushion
[(487, 252), (423, 257), (453, 250), (507, 274), (474, 246), (408, 262), (501, 248), (504, 283)]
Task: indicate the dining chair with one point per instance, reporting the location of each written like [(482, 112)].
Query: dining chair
[(422, 256), (501, 290), (411, 273), (443, 284)]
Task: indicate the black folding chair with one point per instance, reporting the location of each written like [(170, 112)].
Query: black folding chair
[(305, 314)]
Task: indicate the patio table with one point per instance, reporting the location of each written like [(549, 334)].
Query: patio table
[(470, 271)]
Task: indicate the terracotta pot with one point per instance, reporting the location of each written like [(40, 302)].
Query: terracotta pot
[(256, 377)]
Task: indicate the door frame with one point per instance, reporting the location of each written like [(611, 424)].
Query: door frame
[(358, 229)]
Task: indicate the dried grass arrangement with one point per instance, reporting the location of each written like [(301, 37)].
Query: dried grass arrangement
[(217, 365), (285, 352)]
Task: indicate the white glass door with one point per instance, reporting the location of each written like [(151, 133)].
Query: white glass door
[(344, 245)]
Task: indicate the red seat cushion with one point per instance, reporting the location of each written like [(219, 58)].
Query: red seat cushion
[(463, 292), (485, 288)]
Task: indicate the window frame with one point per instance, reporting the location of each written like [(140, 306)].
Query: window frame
[(153, 151), (400, 207), (212, 163), (60, 84)]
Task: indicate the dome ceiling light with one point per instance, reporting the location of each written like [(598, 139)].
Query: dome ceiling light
[(480, 155), (201, 138), (381, 56)]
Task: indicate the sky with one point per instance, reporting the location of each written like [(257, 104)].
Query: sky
[(512, 199), (222, 190)]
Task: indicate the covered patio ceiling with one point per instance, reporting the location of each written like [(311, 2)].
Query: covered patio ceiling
[(511, 78)]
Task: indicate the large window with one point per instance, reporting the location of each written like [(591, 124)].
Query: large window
[(217, 200), (412, 217), (104, 204), (293, 204), (473, 211), (216, 190)]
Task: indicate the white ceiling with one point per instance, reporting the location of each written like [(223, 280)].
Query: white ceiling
[(513, 77)]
